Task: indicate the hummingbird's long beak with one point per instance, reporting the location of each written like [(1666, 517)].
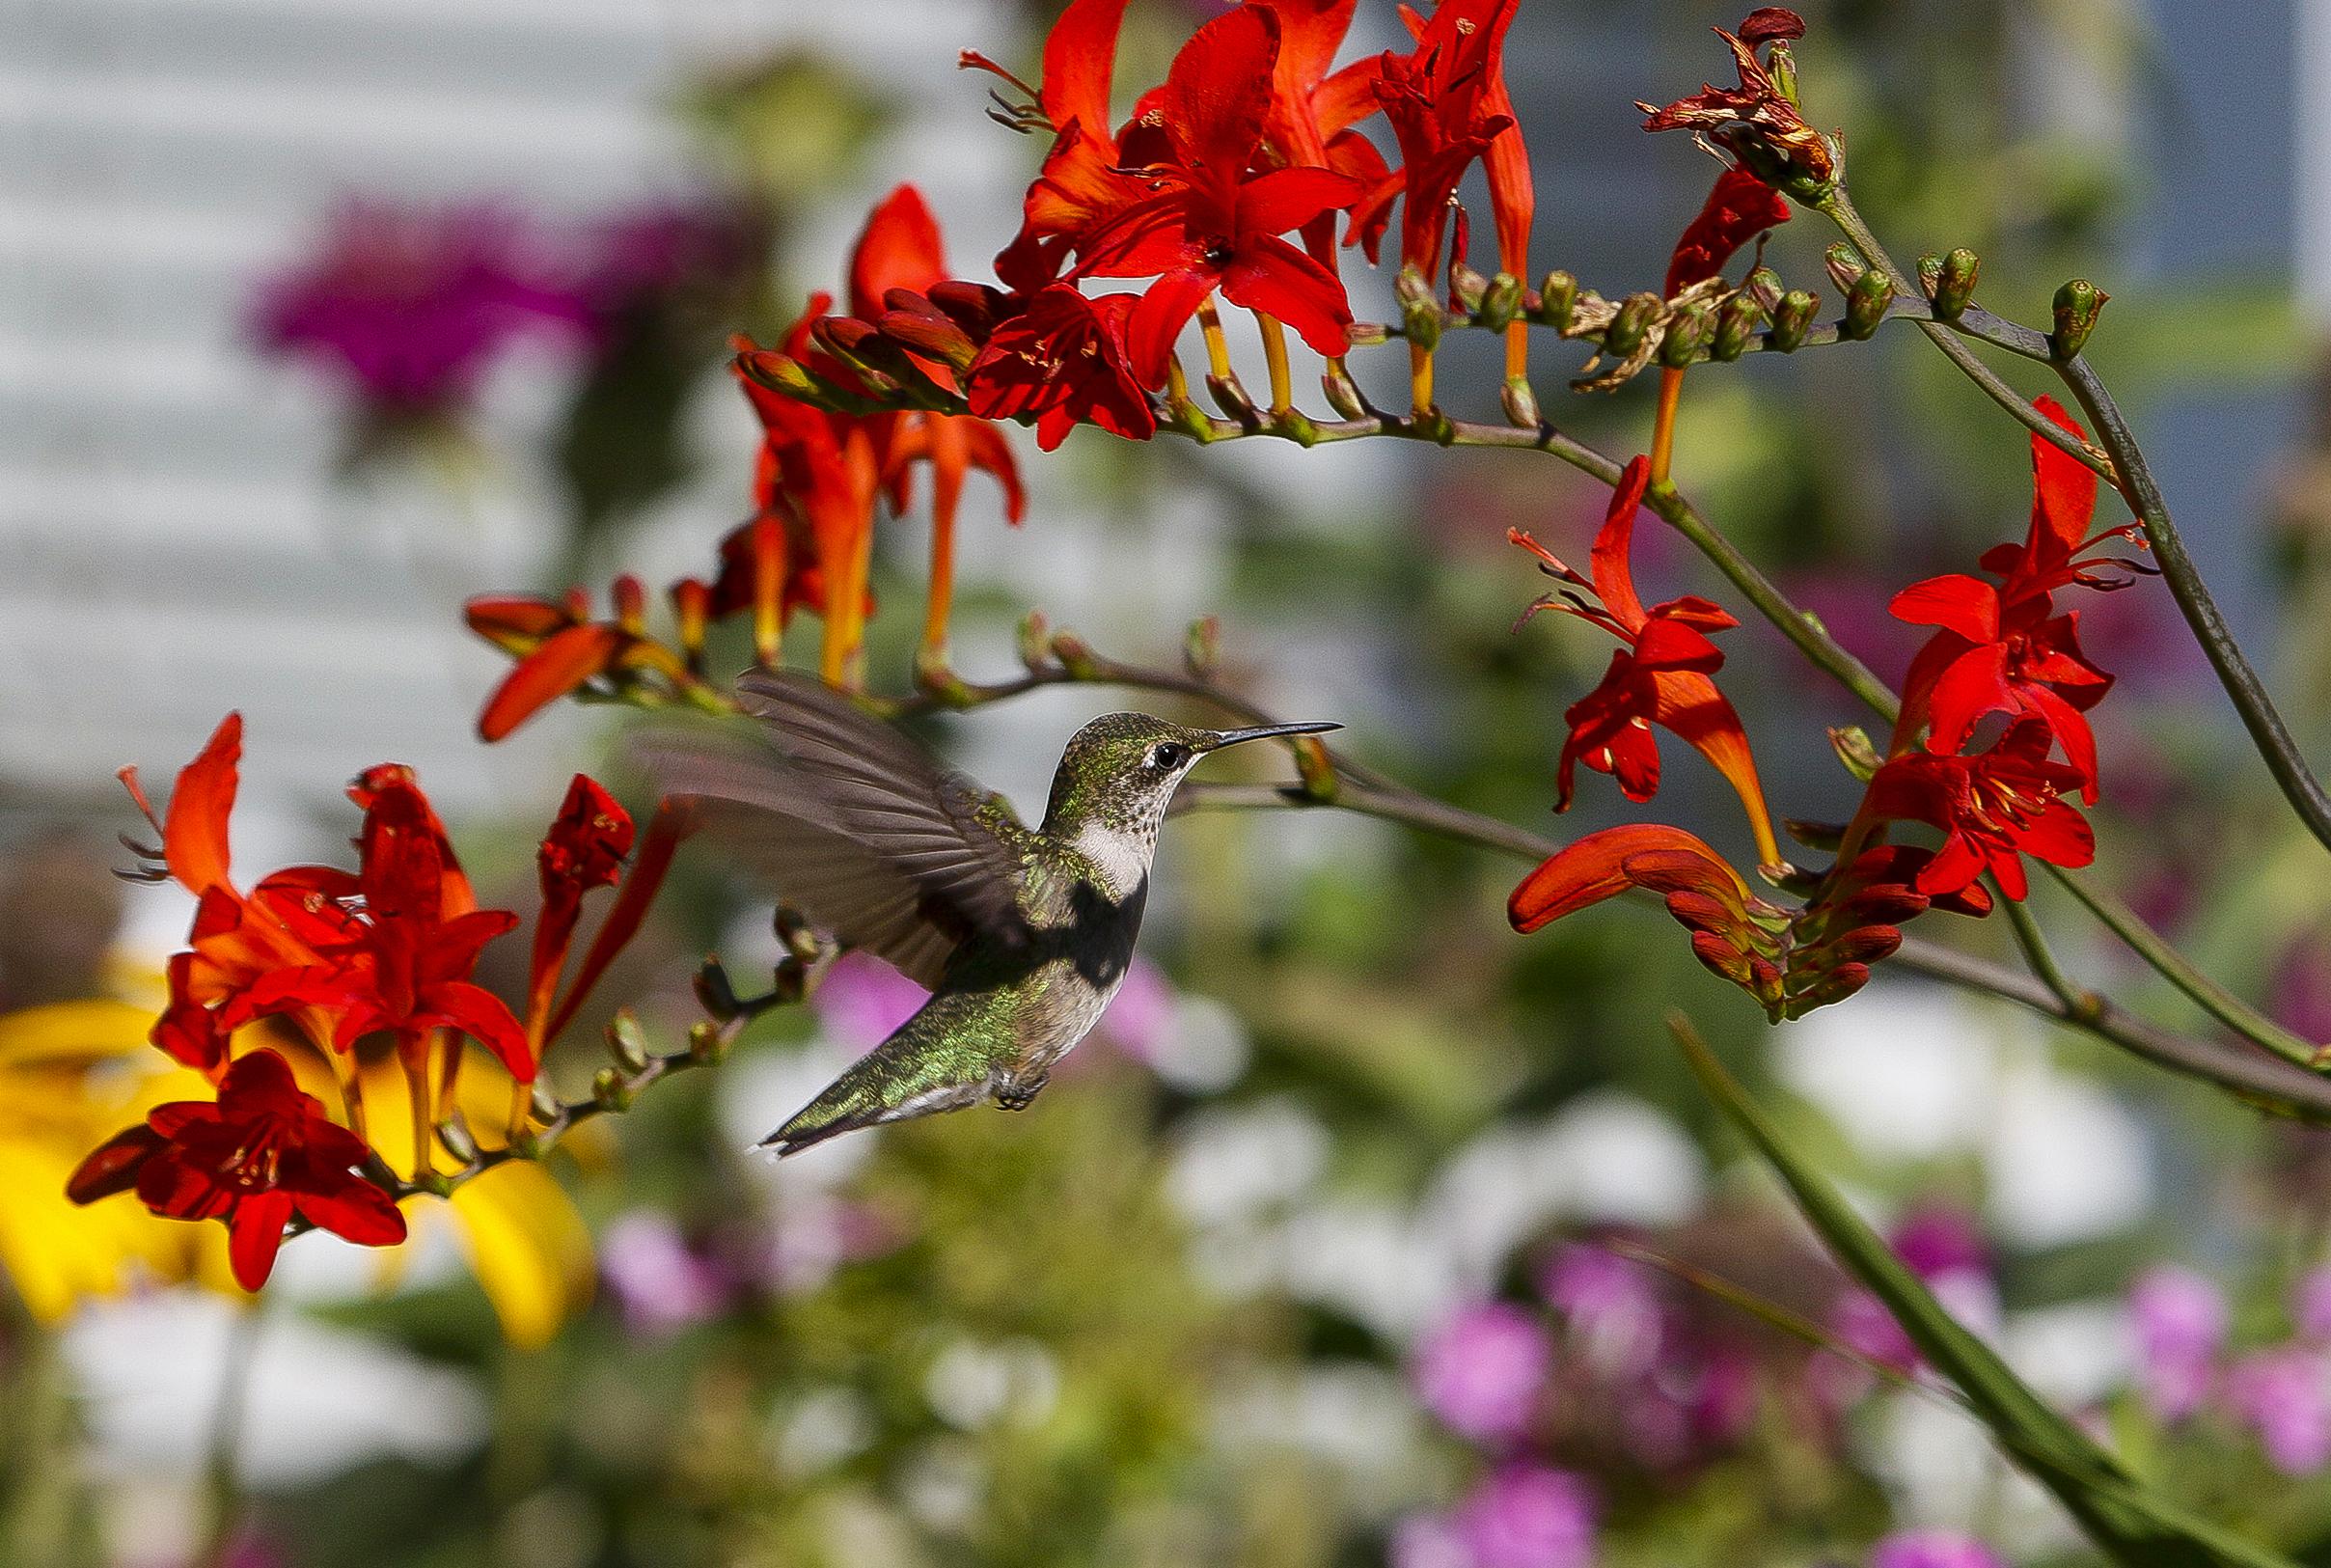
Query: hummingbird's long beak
[(1264, 731)]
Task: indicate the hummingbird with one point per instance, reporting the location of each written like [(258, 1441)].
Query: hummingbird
[(1020, 934)]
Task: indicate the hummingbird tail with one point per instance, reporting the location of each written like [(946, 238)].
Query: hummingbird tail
[(886, 1084)]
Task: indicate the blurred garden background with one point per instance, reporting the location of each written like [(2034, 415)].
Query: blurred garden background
[(1329, 1248)]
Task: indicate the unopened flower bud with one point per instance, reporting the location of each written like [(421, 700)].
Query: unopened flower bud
[(608, 1092), (626, 1041), (1231, 399), (789, 982), (691, 608), (795, 933), (1035, 639), (1076, 655), (1763, 286), (542, 1104), (1342, 393), (1367, 335), (1929, 273), (1469, 287), (1202, 647), (454, 1133), (1557, 297), (1521, 404), (1315, 768), (631, 604), (1736, 322), (1852, 743), (1419, 310), (1626, 332), (707, 1042), (2078, 304), (1793, 317), (1501, 302), (1845, 264), (1955, 283), (714, 993), (1866, 304)]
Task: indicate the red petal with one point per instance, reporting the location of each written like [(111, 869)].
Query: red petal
[(1080, 56), (2060, 836), (1668, 644), (899, 248), (1271, 276), (1740, 207), (1287, 199), (483, 1017), (260, 1084), (194, 833), (113, 1166), (1614, 575), (670, 825), (1971, 686), (1955, 601), (1595, 868), (1219, 89), (2064, 488), (358, 1212), (255, 1232), (564, 661), (1158, 318)]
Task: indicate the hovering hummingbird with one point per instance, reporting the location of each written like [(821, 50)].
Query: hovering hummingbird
[(1022, 934)]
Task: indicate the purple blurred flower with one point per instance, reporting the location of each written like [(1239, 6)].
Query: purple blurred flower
[(1932, 1548), (411, 307), (2179, 1320), (1935, 1241), (861, 1001), (1610, 1306), (2285, 1393), (661, 1284), (1429, 1541), (1481, 1371), (666, 247), (1139, 1020), (2302, 987), (1528, 1516), (2311, 1306), (1943, 1248), (815, 1236)]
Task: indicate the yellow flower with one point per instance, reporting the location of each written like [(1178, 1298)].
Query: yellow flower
[(72, 1075), (519, 1231)]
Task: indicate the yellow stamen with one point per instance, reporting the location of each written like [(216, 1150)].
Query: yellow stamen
[(1275, 354)]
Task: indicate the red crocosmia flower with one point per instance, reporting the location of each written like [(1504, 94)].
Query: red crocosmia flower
[(1596, 868), (1739, 207), (1314, 106), (259, 1155), (1081, 184), (1994, 809), (1660, 678), (1061, 362), (235, 939), (1210, 225), (583, 849), (1437, 99), (560, 648), (2003, 648), (401, 960), (1755, 124), (1475, 31)]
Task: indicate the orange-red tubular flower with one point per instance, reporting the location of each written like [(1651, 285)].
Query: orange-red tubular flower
[(1739, 206), (560, 649), (1437, 99), (1505, 161), (583, 849), (1660, 678)]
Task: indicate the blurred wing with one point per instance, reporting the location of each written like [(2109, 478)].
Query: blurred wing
[(854, 824)]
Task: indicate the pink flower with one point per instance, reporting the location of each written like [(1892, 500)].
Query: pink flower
[(1481, 1371), (1932, 1548), (1139, 1020), (660, 1283), (862, 1001), (1528, 1516), (411, 306), (2284, 1394), (2311, 1306), (1612, 1311), (2179, 1320)]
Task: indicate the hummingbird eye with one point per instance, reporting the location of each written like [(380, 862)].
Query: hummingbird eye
[(1168, 756)]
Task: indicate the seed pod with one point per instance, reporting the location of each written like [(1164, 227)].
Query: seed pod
[(1521, 404), (1626, 332), (1557, 297), (1845, 264), (2078, 304), (1866, 304), (1501, 302), (1956, 285), (626, 1041), (1342, 394), (1793, 318), (1035, 639), (1468, 286), (1736, 322), (1686, 335)]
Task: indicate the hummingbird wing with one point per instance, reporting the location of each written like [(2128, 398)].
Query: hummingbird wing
[(855, 825)]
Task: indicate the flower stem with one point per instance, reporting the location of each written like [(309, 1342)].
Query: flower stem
[(222, 1478), (1218, 346), (2182, 973), (1662, 429), (413, 1055), (1275, 354), (1420, 378)]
